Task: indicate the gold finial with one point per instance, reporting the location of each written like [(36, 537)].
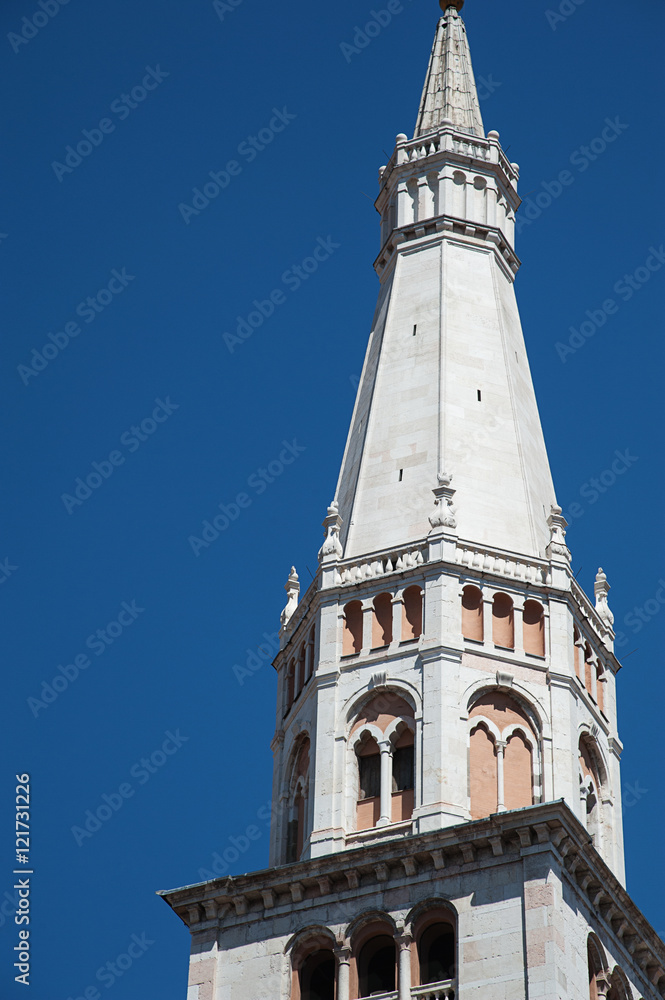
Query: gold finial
[(445, 4)]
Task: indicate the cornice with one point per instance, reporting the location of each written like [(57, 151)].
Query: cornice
[(465, 848)]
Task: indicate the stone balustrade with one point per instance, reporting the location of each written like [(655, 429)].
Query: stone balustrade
[(356, 571), (434, 991), (501, 563)]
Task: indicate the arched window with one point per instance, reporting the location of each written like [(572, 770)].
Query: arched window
[(472, 613), (600, 686), (317, 976), (300, 670), (589, 671), (533, 618), (518, 772), (309, 655), (376, 966), (595, 961), (382, 621), (412, 620), (369, 784), (483, 773), (296, 831), (290, 683), (436, 954), (353, 628), (384, 726), (503, 744), (590, 785), (619, 986), (577, 654), (403, 777), (503, 626)]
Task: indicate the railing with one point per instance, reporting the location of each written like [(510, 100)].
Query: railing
[(449, 141), (507, 564), (433, 991), (348, 573)]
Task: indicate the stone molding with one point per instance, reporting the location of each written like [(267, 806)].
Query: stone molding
[(481, 844)]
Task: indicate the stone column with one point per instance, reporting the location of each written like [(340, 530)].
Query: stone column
[(343, 956), (386, 782), (500, 752), (398, 606), (404, 967)]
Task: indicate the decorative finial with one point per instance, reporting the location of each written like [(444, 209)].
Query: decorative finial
[(557, 548), (445, 4), (444, 512), (292, 588), (601, 589), (332, 547)]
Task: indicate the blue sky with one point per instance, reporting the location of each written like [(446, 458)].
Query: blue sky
[(134, 295)]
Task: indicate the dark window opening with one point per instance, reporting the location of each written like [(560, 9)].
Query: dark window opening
[(401, 473), (317, 977), (402, 769), (369, 768), (292, 841), (479, 395), (376, 966), (436, 950), (414, 329)]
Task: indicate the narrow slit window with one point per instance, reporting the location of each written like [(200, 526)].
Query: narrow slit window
[(480, 395), (401, 475), (415, 327)]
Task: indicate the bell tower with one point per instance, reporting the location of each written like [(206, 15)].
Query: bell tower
[(446, 787)]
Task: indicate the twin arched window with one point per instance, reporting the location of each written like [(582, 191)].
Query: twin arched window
[(503, 745), (383, 741), (298, 803)]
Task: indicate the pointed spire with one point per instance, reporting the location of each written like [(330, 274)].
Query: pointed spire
[(450, 92)]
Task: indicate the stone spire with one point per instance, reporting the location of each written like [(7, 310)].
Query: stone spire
[(450, 89)]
